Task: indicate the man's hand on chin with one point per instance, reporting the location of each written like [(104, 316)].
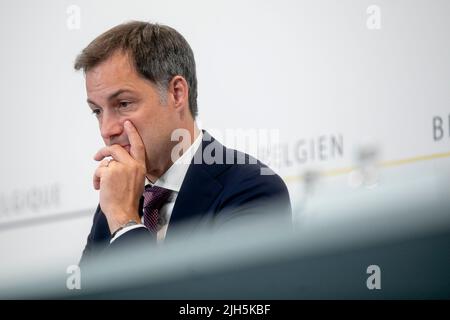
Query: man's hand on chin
[(121, 179)]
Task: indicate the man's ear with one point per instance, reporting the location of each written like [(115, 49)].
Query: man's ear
[(179, 91)]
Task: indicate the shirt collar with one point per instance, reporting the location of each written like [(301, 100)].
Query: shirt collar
[(173, 178)]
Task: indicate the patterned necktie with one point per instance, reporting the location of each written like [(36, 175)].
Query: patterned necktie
[(154, 199)]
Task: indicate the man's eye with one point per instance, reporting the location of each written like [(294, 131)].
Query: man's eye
[(124, 104), (96, 112)]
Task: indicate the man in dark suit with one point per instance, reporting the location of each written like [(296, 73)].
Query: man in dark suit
[(158, 168)]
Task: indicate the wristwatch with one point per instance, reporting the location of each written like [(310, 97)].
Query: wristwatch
[(128, 224)]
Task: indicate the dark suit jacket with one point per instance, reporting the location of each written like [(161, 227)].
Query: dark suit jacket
[(211, 193)]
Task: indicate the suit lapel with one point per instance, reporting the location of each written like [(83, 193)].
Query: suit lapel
[(199, 188)]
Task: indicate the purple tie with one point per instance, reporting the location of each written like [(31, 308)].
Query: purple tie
[(154, 199)]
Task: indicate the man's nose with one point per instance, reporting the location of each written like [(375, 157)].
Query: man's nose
[(111, 126)]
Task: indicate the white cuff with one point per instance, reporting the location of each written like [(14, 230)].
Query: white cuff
[(125, 230)]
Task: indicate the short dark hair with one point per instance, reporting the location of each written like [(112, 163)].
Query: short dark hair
[(159, 53)]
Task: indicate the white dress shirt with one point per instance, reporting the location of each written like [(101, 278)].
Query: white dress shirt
[(172, 179)]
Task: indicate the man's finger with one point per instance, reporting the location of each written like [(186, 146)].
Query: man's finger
[(115, 151), (97, 177), (104, 163), (137, 148)]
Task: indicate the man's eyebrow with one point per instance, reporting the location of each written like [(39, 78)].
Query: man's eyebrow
[(91, 103), (118, 92), (111, 96)]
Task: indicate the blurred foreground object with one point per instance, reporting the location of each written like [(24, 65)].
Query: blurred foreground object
[(403, 229)]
